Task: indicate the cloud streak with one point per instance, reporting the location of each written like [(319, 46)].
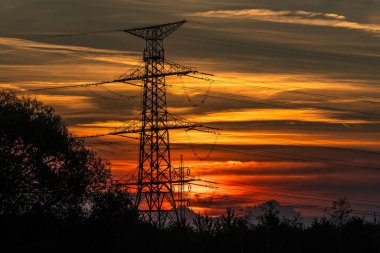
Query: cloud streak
[(291, 17), (90, 53)]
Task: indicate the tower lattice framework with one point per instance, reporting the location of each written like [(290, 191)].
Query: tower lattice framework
[(155, 197), (155, 194)]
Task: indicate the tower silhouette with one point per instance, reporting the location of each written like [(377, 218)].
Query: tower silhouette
[(154, 185), (155, 197)]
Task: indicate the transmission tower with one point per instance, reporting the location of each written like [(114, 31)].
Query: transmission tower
[(182, 175), (155, 197)]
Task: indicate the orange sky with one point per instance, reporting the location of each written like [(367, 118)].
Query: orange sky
[(295, 93)]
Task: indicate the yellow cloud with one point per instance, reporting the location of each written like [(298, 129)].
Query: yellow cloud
[(291, 17), (271, 114), (81, 102)]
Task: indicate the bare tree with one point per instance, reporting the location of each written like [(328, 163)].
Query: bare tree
[(339, 214)]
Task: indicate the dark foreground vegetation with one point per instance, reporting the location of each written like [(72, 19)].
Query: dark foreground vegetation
[(54, 198)]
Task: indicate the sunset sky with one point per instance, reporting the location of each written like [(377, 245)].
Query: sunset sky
[(296, 90)]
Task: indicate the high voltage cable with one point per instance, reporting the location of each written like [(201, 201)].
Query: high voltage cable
[(291, 204), (209, 95), (317, 199), (260, 85), (307, 157), (211, 150), (41, 36), (119, 94), (299, 157), (108, 98), (292, 91), (119, 30), (234, 29), (78, 85), (294, 204), (316, 106), (354, 200), (314, 146), (308, 53), (208, 91), (313, 195), (205, 95), (101, 150), (52, 36), (287, 104), (302, 193), (284, 104), (290, 196)]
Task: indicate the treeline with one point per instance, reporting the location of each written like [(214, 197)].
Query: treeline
[(114, 227), (55, 197)]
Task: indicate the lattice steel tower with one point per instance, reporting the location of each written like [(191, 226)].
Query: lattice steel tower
[(182, 175), (156, 179), (155, 195)]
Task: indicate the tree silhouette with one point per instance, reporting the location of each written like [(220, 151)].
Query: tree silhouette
[(43, 168), (270, 221), (295, 227), (204, 224), (112, 205), (340, 213)]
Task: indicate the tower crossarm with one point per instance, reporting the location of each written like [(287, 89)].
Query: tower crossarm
[(171, 69), (156, 32), (173, 122), (126, 183), (169, 126)]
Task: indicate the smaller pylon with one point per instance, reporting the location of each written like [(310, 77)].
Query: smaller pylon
[(182, 175)]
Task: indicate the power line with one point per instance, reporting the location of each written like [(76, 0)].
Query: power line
[(304, 206), (286, 104), (209, 153), (312, 207), (316, 106), (303, 193), (204, 96), (288, 195), (260, 85), (311, 196), (363, 151), (78, 85), (247, 30), (52, 36), (295, 91), (287, 50), (372, 152), (120, 98), (303, 158), (119, 94)]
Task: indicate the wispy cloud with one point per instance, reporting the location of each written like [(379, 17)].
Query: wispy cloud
[(90, 53), (291, 17)]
